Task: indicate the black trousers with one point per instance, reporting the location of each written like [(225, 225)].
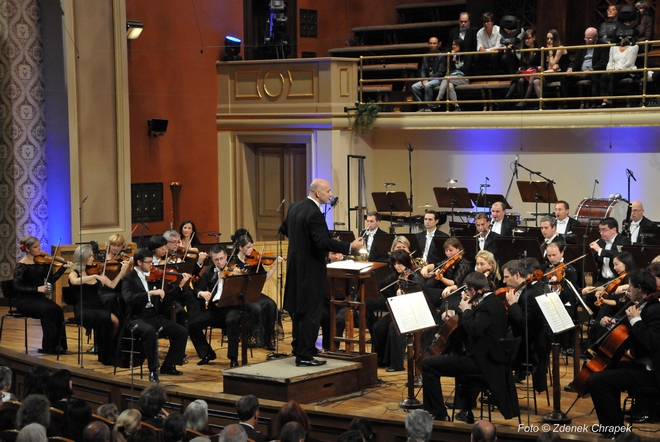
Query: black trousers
[(148, 330), (305, 331), (433, 367), (51, 316), (227, 318), (101, 322)]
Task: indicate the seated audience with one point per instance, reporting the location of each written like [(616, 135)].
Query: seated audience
[(292, 411), (419, 425), (607, 30), (5, 384), (483, 431), (151, 403), (432, 68), (35, 381), (585, 60), (76, 417), (174, 428), (247, 409), (488, 40), (233, 433), (128, 422), (60, 389), (292, 432), (32, 433), (363, 425), (96, 431), (34, 409), (459, 66), (108, 411), (197, 416), (622, 58), (646, 24)]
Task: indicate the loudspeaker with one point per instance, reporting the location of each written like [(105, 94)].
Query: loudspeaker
[(157, 127)]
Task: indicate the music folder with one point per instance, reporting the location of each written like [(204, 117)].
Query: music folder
[(410, 313), (555, 312)]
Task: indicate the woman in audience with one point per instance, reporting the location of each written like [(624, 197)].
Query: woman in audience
[(127, 424), (530, 62), (5, 384), (646, 25), (108, 411), (34, 409), (459, 66), (60, 389), (76, 417), (607, 30), (36, 381), (292, 411), (151, 403), (557, 60), (622, 58), (197, 416), (174, 428)]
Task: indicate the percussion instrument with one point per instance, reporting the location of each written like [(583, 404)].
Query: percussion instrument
[(595, 209)]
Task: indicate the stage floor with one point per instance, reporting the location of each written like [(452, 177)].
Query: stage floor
[(378, 403)]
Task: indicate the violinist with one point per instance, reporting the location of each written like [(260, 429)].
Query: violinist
[(263, 313), (209, 288), (643, 325), (32, 281), (94, 313), (451, 274), (486, 264), (188, 233), (110, 296), (180, 250), (173, 240), (607, 247), (557, 280), (483, 318), (526, 318), (150, 306), (387, 342)]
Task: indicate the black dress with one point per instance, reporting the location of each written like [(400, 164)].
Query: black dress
[(96, 316), (32, 303)]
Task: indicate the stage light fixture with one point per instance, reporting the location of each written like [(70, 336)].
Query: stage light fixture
[(232, 48), (133, 29)]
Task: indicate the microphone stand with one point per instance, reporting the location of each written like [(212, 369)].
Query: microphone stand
[(144, 226), (82, 310), (585, 237), (280, 296), (410, 150), (626, 226)]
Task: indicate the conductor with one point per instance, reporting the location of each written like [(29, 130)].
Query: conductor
[(309, 243)]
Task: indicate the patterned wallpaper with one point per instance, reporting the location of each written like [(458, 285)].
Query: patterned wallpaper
[(23, 205)]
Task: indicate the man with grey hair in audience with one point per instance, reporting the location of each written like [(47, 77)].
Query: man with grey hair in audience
[(292, 432), (247, 409), (96, 431), (483, 431), (32, 433), (233, 433), (419, 424)]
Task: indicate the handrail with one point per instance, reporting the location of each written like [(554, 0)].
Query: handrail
[(645, 54)]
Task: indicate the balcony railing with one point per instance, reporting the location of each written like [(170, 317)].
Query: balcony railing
[(383, 85)]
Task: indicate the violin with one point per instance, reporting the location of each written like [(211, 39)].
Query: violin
[(157, 274), (185, 254), (447, 264), (46, 259), (610, 288), (559, 272), (501, 292), (267, 258)]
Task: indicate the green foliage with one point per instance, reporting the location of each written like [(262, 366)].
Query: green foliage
[(365, 116)]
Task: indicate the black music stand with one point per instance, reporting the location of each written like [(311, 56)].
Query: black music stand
[(537, 192), (343, 235), (391, 202), (414, 244), (453, 197), (642, 254), (240, 290), (485, 201), (383, 244), (649, 235), (510, 248), (470, 246)]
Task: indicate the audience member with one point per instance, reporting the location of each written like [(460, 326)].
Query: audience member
[(5, 384), (607, 30), (76, 417), (622, 58), (233, 433), (35, 381), (483, 431), (151, 403), (60, 389), (292, 411), (419, 425), (197, 416), (350, 436), (292, 432), (432, 67), (459, 66), (96, 431), (548, 436), (247, 409), (363, 425), (34, 409), (32, 433), (488, 40), (128, 422), (144, 434), (628, 436), (646, 25), (465, 31), (174, 428), (557, 60), (108, 411), (585, 60), (530, 62)]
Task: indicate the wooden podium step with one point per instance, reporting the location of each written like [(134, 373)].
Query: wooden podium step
[(281, 380)]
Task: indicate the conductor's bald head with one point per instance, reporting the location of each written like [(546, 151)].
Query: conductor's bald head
[(320, 191)]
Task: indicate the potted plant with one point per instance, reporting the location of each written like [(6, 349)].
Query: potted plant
[(365, 116)]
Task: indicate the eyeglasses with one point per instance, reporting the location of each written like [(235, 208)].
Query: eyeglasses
[(589, 38), (149, 262), (604, 230)]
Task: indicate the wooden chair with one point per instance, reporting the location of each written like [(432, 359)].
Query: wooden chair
[(9, 435), (108, 422), (56, 427), (158, 432), (191, 434), (8, 415), (60, 439), (9, 293)]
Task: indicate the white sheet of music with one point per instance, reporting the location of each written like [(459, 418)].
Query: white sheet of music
[(555, 312), (349, 265), (411, 312)]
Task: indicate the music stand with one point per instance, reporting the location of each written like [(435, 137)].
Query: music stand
[(642, 254), (510, 248), (486, 200), (240, 290), (470, 245), (343, 235), (414, 244), (452, 197), (391, 202), (649, 235), (537, 191)]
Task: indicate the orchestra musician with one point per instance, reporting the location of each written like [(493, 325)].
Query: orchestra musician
[(263, 313), (607, 247), (484, 323), (565, 223), (188, 234), (372, 224), (637, 220), (94, 313), (486, 264), (526, 318), (485, 236), (150, 306), (32, 283), (425, 239), (451, 277), (499, 222), (110, 297), (643, 325), (387, 342), (555, 255), (549, 231)]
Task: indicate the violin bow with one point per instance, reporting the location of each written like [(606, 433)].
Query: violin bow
[(263, 247), (188, 246), (52, 261), (565, 264), (105, 261)]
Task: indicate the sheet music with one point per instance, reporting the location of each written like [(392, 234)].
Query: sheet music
[(349, 265), (411, 312), (555, 312)]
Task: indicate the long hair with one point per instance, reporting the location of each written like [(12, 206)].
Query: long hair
[(80, 257), (127, 424)]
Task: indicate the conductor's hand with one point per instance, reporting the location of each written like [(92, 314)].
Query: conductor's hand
[(357, 244)]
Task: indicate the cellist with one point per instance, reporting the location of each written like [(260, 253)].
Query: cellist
[(644, 369), (483, 318)]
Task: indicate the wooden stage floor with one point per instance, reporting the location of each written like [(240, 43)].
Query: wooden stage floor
[(380, 403)]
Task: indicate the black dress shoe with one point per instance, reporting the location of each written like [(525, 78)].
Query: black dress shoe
[(269, 346), (233, 363), (444, 418), (449, 405), (465, 416), (153, 376), (309, 362), (170, 369), (206, 359), (392, 369), (93, 351)]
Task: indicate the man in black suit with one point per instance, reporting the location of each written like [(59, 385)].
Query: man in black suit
[(587, 59), (306, 273), (484, 324), (485, 237), (606, 386), (373, 228), (465, 31), (430, 254), (555, 255), (247, 409), (499, 223), (565, 223), (637, 220), (209, 288), (526, 317), (433, 67), (549, 231), (607, 247), (149, 307)]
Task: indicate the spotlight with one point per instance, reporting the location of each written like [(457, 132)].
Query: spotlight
[(628, 21), (509, 30), (133, 29), (232, 48)]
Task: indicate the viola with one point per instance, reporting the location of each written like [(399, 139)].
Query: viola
[(447, 264), (610, 288), (46, 259)]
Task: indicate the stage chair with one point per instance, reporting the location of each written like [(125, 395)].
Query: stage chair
[(9, 293), (650, 395), (125, 337), (69, 298)]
